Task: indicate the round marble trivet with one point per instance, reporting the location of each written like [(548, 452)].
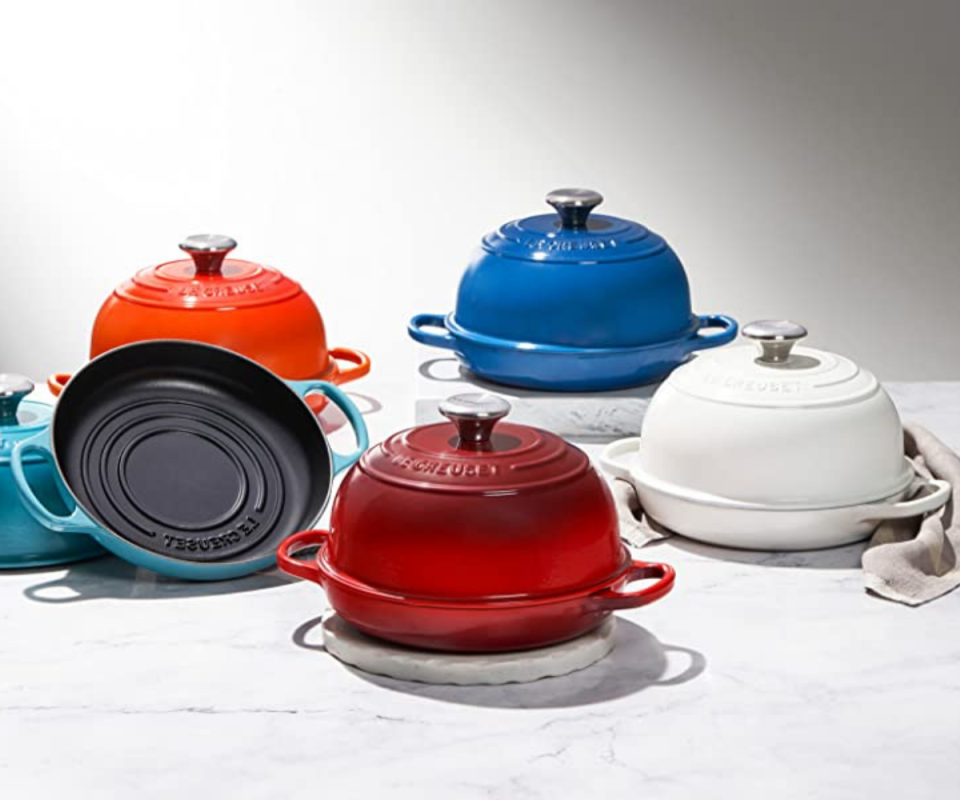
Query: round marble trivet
[(343, 641)]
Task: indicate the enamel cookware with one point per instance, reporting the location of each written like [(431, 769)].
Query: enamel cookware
[(573, 301), (474, 535), (773, 446), (186, 459), (24, 542), (246, 307)]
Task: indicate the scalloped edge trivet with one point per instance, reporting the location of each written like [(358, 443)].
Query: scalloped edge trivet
[(347, 644)]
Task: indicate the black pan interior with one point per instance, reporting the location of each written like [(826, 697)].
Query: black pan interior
[(191, 451)]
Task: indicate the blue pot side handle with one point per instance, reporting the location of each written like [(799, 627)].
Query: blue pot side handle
[(76, 522), (416, 329), (352, 413), (727, 332)]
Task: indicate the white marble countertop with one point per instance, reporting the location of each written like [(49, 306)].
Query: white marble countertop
[(759, 676)]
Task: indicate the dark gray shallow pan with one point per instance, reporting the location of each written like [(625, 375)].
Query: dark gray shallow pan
[(188, 459)]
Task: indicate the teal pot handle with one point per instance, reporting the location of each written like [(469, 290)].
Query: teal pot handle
[(352, 413), (416, 330), (78, 521), (727, 332)]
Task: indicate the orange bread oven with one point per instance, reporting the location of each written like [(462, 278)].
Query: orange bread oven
[(246, 307)]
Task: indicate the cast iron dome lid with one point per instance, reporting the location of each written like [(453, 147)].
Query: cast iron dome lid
[(775, 372), (208, 280), (475, 452), (573, 234)]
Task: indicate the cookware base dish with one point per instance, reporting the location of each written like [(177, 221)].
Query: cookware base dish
[(569, 369), (746, 528), (483, 626), (750, 526), (466, 627), (201, 463), (349, 645)]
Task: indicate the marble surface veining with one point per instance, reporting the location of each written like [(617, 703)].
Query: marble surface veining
[(759, 676), (586, 415)]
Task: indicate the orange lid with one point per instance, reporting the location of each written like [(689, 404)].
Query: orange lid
[(208, 280)]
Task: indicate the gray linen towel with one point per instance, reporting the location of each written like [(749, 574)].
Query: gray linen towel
[(911, 561), (636, 528)]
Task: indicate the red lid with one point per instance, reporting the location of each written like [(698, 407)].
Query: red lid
[(468, 455), (207, 280)]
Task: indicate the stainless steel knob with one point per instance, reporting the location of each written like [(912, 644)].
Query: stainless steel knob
[(574, 206), (13, 388), (208, 250), (475, 416), (776, 338)]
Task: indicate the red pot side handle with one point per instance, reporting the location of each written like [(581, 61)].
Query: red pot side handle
[(361, 362), (614, 599), (56, 382), (289, 547)]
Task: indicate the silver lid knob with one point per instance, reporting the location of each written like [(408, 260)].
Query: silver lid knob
[(208, 250), (776, 338), (475, 416), (13, 388), (574, 205)]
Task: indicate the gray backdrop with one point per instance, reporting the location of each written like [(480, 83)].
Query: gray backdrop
[(802, 157)]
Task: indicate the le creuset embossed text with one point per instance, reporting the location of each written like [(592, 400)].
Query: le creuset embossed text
[(25, 542), (573, 301), (772, 446), (187, 459), (246, 307), (474, 535)]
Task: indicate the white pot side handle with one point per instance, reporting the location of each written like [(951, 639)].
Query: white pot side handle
[(930, 501), (612, 457)]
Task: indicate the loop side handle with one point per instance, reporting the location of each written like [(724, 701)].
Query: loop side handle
[(416, 330), (614, 599), (727, 332), (57, 382), (612, 458), (918, 506), (359, 359), (352, 413), (308, 570), (76, 522)]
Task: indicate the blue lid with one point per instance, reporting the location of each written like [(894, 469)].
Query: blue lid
[(573, 235), (19, 419)]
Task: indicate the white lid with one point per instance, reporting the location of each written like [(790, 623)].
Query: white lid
[(773, 372)]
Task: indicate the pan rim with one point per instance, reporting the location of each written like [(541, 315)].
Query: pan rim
[(270, 555)]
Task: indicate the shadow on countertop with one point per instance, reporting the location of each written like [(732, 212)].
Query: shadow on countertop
[(332, 418), (112, 578), (845, 557), (448, 369), (638, 662)]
